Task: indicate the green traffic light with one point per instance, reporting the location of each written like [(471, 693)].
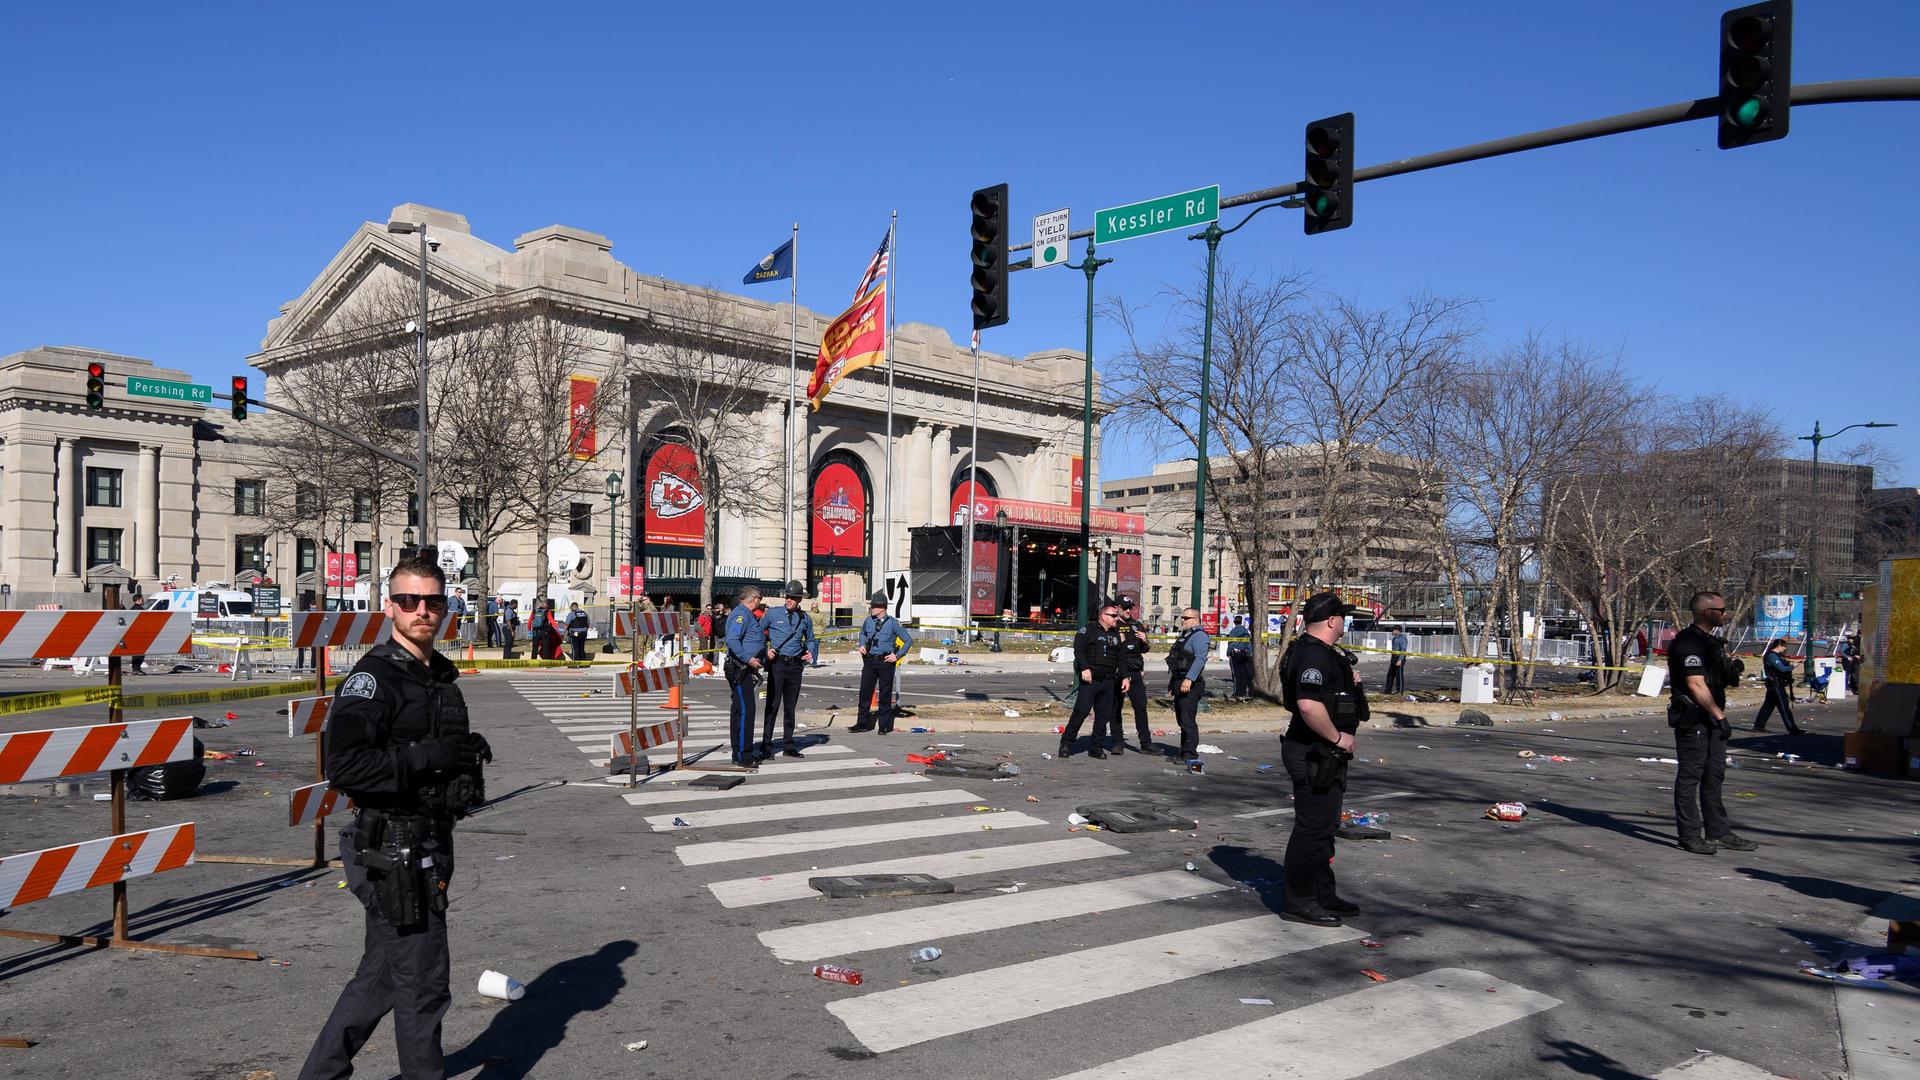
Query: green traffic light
[(1320, 205), (1749, 112)]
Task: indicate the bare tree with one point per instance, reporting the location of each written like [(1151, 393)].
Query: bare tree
[(703, 375), (1303, 394)]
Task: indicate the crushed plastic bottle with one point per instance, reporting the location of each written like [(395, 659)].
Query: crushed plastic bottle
[(836, 973), (922, 956)]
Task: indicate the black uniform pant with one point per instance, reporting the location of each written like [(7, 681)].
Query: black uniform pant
[(1186, 713), (1316, 817), (1396, 676), (579, 644), (743, 686), (783, 692), (1137, 695), (1100, 699), (1241, 667), (876, 674), (1700, 745), (403, 971), (1781, 698)]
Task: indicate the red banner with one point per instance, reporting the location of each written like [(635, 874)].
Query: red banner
[(1126, 574), (580, 434), (984, 590), (830, 589), (628, 583), (342, 568), (1045, 515), (857, 339), (676, 510), (839, 512), (958, 507), (1079, 490)]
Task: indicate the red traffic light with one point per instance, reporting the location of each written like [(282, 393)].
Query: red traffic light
[(96, 370)]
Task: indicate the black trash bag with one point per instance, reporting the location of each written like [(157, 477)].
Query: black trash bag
[(171, 780)]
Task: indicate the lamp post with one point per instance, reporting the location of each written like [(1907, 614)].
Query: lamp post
[(1219, 574), (1090, 266), (1044, 597), (1013, 601), (1813, 524), (420, 364), (613, 511)]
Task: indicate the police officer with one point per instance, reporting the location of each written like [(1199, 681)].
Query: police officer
[(1187, 684), (1698, 716), (1099, 656), (1240, 658), (1321, 691), (790, 645), (882, 639), (1133, 639), (746, 645), (400, 746)]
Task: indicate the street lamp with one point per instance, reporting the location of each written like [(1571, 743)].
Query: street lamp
[(420, 375), (613, 511), (1090, 265), (1813, 519), (1013, 602), (1219, 574)]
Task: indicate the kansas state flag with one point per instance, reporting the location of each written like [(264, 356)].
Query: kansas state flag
[(777, 265)]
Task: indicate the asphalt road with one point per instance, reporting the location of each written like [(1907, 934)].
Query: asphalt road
[(1578, 942)]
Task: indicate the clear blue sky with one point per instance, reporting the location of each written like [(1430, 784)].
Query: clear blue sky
[(176, 172)]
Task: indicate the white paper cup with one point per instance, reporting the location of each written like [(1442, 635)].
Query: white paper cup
[(495, 985)]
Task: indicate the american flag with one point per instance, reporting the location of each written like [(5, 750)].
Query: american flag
[(876, 266)]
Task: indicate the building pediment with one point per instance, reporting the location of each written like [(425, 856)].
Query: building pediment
[(374, 268)]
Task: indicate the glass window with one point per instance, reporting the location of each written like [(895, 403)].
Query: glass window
[(363, 506), (249, 497), (1156, 596), (306, 502), (307, 554), (1213, 566), (249, 552), (580, 519), (1176, 596), (363, 557), (473, 511), (1176, 569), (1156, 564), (103, 487), (103, 546)]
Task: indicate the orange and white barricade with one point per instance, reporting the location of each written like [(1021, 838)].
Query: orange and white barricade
[(326, 629), (43, 635), (307, 805), (652, 623), (628, 743), (308, 715), (109, 860), (647, 680), (76, 751)]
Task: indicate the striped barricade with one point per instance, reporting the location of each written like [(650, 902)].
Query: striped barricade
[(624, 744), (74, 751), (306, 805), (650, 679), (37, 875), (313, 629), (40, 635), (652, 623), (308, 715)]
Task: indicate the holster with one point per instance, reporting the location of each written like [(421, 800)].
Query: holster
[(1327, 767), (397, 854)]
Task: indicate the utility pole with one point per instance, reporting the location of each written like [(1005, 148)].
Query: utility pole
[(1090, 265)]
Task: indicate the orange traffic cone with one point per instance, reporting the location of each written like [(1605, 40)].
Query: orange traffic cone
[(673, 699)]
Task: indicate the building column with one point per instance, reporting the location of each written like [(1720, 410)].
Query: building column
[(146, 517), (940, 478), (66, 509), (919, 461)]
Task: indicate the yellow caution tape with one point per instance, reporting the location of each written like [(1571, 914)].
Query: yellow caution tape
[(174, 699), (55, 699)]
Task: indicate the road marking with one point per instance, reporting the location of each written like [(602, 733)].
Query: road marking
[(1408, 1016), (805, 765), (1363, 798), (757, 789), (840, 937), (794, 843), (742, 815), (890, 1019), (1715, 1067), (750, 891)]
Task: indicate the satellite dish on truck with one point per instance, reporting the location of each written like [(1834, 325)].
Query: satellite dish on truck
[(563, 555), (452, 557)]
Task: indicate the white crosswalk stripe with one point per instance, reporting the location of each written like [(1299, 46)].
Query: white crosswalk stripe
[(761, 789), (871, 804), (794, 843), (773, 888)]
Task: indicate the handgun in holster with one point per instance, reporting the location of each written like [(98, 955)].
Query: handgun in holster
[(398, 881), (1327, 766)]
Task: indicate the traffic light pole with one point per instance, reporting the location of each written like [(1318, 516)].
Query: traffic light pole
[(1828, 93), (1091, 266)]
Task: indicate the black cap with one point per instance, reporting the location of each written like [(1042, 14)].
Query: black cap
[(1323, 606), (1126, 603), (796, 591), (879, 600)]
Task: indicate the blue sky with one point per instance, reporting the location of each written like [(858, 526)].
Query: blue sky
[(175, 173)]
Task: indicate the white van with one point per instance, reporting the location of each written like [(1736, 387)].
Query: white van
[(233, 604)]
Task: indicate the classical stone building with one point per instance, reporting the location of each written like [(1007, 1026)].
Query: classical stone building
[(174, 490)]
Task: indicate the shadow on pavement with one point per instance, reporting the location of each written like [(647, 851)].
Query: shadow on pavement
[(1585, 1060), (1603, 820), (523, 1031), (1820, 888), (1259, 873)]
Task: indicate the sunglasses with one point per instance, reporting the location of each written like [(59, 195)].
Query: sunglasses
[(1110, 614), (409, 601)]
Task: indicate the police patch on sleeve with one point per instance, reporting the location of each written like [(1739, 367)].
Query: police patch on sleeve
[(1311, 677), (359, 684), (1695, 661)]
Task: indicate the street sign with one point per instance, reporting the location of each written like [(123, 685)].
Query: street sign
[(899, 593), (1050, 233), (192, 393), (266, 601), (1168, 213)]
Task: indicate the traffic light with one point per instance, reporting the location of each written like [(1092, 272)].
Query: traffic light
[(990, 257), (1328, 187), (239, 397), (96, 385), (1756, 84)]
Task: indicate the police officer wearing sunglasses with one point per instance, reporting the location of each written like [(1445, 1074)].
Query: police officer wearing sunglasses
[(399, 744)]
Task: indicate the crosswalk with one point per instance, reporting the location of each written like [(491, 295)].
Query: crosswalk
[(584, 710), (1016, 925)]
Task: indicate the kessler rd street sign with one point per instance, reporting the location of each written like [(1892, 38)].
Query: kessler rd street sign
[(1168, 213)]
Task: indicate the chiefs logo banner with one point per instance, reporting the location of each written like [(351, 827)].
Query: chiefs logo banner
[(857, 339), (676, 510), (580, 435)]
